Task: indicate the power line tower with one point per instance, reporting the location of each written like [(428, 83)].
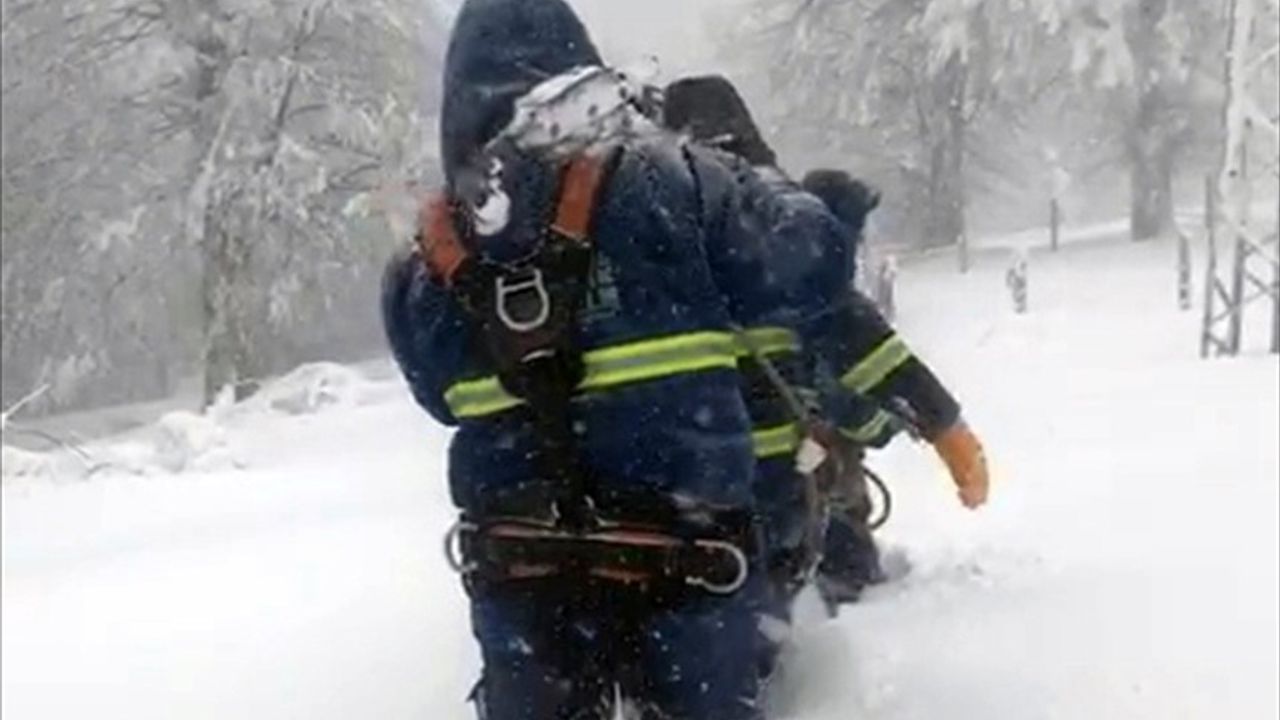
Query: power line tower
[(1250, 173)]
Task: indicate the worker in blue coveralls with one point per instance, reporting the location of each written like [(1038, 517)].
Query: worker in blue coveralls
[(576, 306), (867, 414)]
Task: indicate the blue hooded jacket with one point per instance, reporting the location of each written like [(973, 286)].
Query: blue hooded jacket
[(684, 245)]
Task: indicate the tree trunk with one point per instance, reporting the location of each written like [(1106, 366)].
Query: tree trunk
[(226, 349), (1151, 170), (945, 224), (235, 199), (201, 25), (1150, 142)]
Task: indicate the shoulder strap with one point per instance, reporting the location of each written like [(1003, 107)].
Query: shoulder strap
[(443, 251), (437, 240), (578, 194)]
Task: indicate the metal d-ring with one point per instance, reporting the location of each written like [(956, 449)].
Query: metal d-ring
[(503, 291)]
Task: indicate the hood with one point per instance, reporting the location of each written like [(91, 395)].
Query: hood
[(499, 51), (710, 110), (849, 199)]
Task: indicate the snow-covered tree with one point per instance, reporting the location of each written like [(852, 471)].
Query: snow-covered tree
[(1158, 63), (186, 183), (899, 88), (1007, 102)]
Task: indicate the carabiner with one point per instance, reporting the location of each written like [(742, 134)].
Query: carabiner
[(739, 557), (453, 548)]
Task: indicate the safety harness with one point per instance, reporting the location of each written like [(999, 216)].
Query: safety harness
[(527, 312), (829, 462)]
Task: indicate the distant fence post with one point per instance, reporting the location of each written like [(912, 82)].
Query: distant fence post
[(886, 281), (1184, 271), (862, 266), (1016, 279)]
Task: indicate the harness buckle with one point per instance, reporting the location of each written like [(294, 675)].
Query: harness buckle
[(740, 561), (512, 296), (454, 552)]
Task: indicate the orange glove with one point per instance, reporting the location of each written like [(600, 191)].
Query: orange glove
[(960, 449)]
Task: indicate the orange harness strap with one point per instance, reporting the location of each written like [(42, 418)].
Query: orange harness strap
[(443, 252), (438, 242), (578, 198)]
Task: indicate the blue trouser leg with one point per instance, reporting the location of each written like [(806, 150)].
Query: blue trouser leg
[(780, 495), (698, 659), (556, 651), (543, 658)]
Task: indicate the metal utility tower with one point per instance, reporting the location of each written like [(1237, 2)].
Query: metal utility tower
[(1249, 174)]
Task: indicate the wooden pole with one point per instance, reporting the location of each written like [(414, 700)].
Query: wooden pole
[(1184, 271), (1055, 220), (1235, 327), (1275, 296), (1211, 268), (1275, 314)]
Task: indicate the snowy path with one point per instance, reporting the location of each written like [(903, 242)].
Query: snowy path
[(310, 587), (1127, 568)]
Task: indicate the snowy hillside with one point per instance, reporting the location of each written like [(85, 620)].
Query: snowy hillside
[(1127, 567)]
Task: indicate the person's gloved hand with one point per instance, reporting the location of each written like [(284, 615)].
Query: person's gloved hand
[(962, 452)]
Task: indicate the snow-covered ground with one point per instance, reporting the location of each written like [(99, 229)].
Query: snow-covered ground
[(1127, 567)]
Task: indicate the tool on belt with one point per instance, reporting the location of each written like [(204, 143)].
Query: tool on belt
[(830, 465)]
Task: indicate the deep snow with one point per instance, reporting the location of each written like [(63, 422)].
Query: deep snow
[(1127, 567)]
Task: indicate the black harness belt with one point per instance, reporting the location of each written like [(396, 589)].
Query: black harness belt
[(514, 550)]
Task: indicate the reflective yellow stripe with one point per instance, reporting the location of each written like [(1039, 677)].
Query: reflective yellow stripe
[(876, 366), (776, 441), (870, 430), (767, 341), (674, 343), (609, 367), (652, 359), (476, 398)]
